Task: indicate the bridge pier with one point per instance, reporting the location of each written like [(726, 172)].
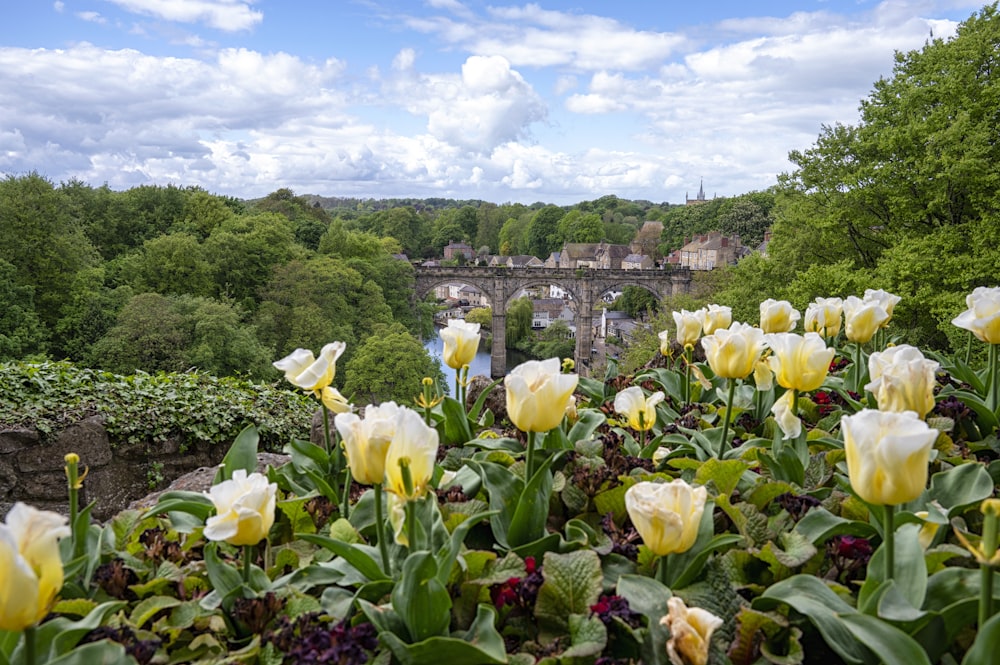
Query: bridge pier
[(498, 352), (584, 329)]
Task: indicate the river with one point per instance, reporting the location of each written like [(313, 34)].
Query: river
[(479, 365)]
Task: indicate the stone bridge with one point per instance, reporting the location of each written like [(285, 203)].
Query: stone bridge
[(584, 285)]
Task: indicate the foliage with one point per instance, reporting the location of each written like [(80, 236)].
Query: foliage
[(519, 315), (390, 346), (145, 407)]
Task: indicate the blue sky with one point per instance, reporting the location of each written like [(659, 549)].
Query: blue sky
[(546, 101)]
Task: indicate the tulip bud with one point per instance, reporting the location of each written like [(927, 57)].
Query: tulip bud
[(461, 341), (244, 509), (883, 299), (537, 394), (367, 441), (733, 352), (862, 319), (778, 316), (902, 379), (717, 317), (799, 362), (666, 515), (689, 326), (823, 316), (308, 373), (417, 444), (690, 632), (664, 336)]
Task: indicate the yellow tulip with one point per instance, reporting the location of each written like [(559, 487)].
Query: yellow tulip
[(928, 530), (461, 341), (537, 394), (824, 316), (665, 342), (666, 515), (689, 326), (902, 379), (414, 445), (308, 373), (778, 316), (31, 570), (637, 408), (887, 455), (883, 299), (717, 317), (690, 632), (244, 509), (982, 317), (366, 441), (862, 319), (788, 421), (763, 377), (732, 352), (799, 362)]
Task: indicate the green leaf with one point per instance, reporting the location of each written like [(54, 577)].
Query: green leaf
[(586, 425), (531, 512), (149, 607), (241, 455), (587, 636), (984, 649), (480, 645), (961, 486), (457, 429), (648, 597), (910, 569), (420, 599), (224, 577), (477, 407), (795, 549), (104, 652), (819, 524), (504, 489), (357, 557), (447, 555), (893, 646), (725, 474), (573, 582), (179, 501)]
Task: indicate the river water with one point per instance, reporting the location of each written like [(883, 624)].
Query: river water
[(479, 365)]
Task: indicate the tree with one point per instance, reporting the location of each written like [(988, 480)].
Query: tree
[(636, 301), (21, 332), (243, 252), (513, 235), (555, 341), (543, 232), (481, 315), (519, 315), (173, 264), (389, 365)]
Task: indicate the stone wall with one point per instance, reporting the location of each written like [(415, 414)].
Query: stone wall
[(31, 467)]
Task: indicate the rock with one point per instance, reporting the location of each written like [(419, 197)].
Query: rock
[(496, 401)]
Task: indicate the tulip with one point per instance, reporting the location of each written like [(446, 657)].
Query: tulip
[(637, 408), (982, 318), (763, 377), (887, 455), (902, 379), (884, 299), (784, 411), (862, 319), (537, 394), (777, 316), (366, 441), (31, 570), (732, 352), (244, 509), (461, 341), (799, 362), (409, 461), (666, 515), (689, 326), (664, 336), (717, 317), (690, 632), (308, 373), (823, 316)]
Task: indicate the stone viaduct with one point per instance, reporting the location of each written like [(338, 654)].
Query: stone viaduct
[(585, 285)]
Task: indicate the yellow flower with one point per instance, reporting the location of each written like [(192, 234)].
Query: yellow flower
[(664, 336), (31, 570), (244, 509), (763, 377), (887, 455), (982, 317), (902, 379), (367, 441), (415, 445), (461, 341), (732, 352), (537, 394), (823, 316), (788, 421), (862, 319), (778, 316), (639, 409), (689, 326), (717, 317), (690, 632), (928, 530), (666, 515), (308, 373), (883, 299), (799, 362)]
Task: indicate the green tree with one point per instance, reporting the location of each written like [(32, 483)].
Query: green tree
[(636, 301), (543, 232), (90, 311), (21, 332), (389, 365), (243, 251), (481, 315), (513, 235), (519, 315), (173, 264), (555, 341)]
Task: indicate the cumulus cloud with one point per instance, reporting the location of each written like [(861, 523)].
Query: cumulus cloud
[(228, 15)]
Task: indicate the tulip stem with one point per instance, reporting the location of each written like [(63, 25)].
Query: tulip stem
[(326, 428), (662, 570), (411, 524), (380, 528), (858, 372), (29, 645), (345, 508), (968, 348), (247, 559), (729, 415), (989, 548), (529, 458), (687, 375), (889, 536), (994, 386)]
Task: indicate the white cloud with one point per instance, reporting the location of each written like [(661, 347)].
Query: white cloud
[(59, 6), (228, 15), (92, 17)]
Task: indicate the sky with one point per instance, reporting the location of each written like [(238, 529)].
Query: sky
[(558, 101)]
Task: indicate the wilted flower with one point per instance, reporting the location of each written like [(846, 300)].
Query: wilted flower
[(732, 352), (887, 455), (778, 316), (763, 377), (666, 515), (664, 336), (537, 394), (928, 530), (902, 379), (315, 375), (799, 362), (689, 326), (461, 341), (824, 316), (717, 317), (690, 632), (415, 444), (884, 299), (366, 441), (637, 408), (31, 570), (862, 319), (244, 509), (982, 318), (784, 414)]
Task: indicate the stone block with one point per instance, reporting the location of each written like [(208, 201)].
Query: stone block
[(12, 440), (87, 438)]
